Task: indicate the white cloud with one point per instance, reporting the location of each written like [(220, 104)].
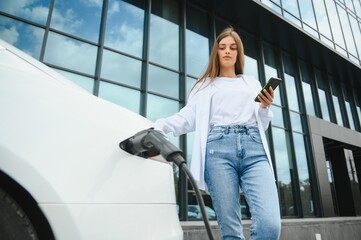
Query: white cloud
[(93, 3), (10, 35), (114, 8), (68, 21)]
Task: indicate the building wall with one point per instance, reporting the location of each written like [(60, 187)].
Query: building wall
[(146, 56)]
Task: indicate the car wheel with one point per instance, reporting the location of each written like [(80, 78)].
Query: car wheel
[(14, 224)]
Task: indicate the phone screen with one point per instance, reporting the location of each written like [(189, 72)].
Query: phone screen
[(272, 82)]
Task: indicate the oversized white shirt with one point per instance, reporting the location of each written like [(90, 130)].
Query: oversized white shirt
[(227, 103), (196, 115)]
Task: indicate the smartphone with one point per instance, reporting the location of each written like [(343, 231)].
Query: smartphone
[(272, 82)]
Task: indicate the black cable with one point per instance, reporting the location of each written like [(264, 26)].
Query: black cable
[(179, 160)]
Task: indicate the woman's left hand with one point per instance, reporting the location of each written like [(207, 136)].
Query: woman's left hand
[(266, 98)]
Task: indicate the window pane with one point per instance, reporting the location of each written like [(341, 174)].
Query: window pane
[(70, 53), (23, 36), (122, 69), (159, 107), (307, 13), (303, 175), (84, 82), (296, 121), (164, 33), (282, 159), (306, 86), (277, 119), (322, 89), (271, 70), (336, 91), (337, 110), (189, 85), (291, 7), (291, 92), (250, 67), (122, 96), (335, 24), (124, 28), (356, 34), (271, 4), (322, 20), (197, 43), (79, 18), (36, 11), (349, 115), (163, 81), (307, 93), (346, 30)]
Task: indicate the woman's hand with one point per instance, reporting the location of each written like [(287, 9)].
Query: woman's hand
[(266, 98)]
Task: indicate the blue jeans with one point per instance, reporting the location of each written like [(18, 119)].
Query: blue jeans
[(236, 161)]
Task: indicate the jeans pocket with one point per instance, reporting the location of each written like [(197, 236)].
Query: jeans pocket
[(256, 137), (213, 136)]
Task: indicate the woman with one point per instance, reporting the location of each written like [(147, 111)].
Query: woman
[(230, 152)]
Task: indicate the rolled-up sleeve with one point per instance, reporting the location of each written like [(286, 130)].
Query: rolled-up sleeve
[(265, 116)]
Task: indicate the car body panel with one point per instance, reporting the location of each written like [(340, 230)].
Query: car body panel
[(61, 144)]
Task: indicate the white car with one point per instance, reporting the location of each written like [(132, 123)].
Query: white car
[(62, 173)]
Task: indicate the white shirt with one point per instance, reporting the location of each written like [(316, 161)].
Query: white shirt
[(195, 116), (228, 102)]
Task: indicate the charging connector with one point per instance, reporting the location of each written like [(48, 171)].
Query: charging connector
[(150, 143)]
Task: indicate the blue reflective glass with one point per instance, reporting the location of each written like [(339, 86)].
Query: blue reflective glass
[(164, 33), (84, 82), (159, 107), (324, 105), (163, 81), (307, 93), (124, 28), (122, 96), (337, 110), (346, 28), (282, 158), (122, 69), (349, 115), (291, 92), (197, 43), (23, 36), (79, 18), (335, 24), (291, 6), (70, 53), (189, 85), (277, 119), (322, 19), (250, 66), (272, 4), (35, 10), (307, 13), (197, 52), (296, 121), (303, 175)]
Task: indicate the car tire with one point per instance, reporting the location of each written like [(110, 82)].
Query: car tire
[(14, 223)]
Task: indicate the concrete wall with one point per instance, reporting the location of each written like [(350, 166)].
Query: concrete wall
[(340, 228)]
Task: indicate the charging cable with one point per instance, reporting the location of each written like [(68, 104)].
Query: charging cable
[(150, 143)]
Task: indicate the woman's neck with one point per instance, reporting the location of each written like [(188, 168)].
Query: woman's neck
[(228, 73)]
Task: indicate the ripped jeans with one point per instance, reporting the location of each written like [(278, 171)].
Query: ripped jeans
[(236, 161)]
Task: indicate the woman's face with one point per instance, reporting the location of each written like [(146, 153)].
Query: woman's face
[(227, 52)]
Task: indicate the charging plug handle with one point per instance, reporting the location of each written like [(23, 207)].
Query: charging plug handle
[(149, 143)]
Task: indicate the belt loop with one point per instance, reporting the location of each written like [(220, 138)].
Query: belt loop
[(227, 130)]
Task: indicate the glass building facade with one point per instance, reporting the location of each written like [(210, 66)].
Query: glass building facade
[(146, 56)]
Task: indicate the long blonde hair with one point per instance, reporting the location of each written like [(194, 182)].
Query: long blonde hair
[(213, 68)]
